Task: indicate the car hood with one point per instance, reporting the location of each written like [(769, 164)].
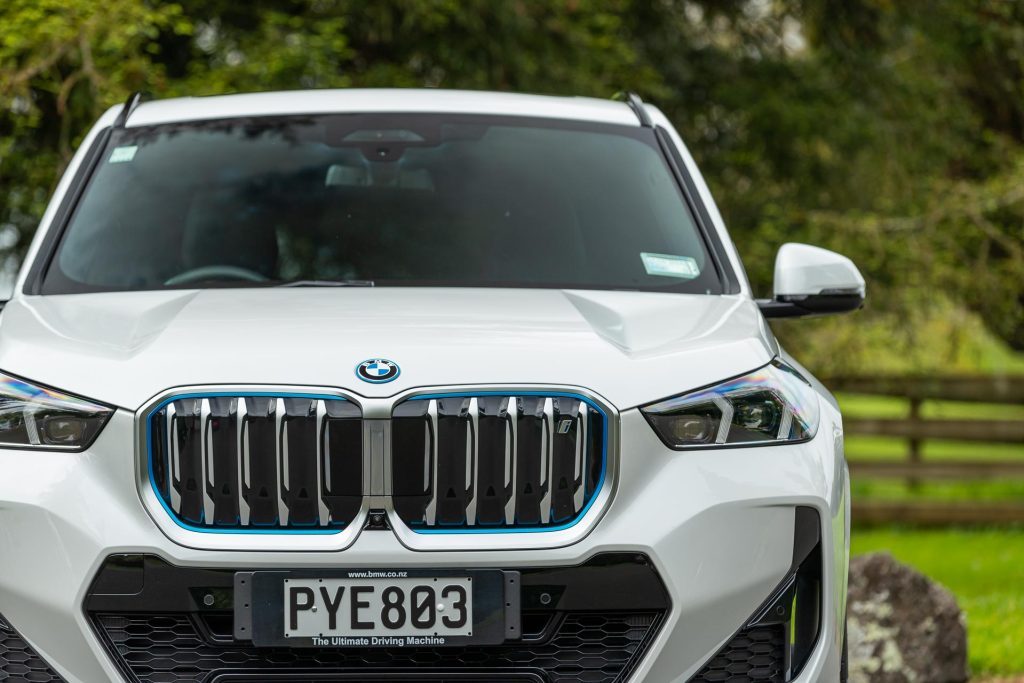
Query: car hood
[(628, 347)]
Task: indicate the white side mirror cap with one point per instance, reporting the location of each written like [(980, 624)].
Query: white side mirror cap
[(813, 281), (805, 270)]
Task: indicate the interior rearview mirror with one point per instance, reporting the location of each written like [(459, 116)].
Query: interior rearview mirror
[(813, 281)]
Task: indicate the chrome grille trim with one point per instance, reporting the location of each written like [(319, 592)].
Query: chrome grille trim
[(206, 458), (322, 462), (513, 465), (548, 466), (281, 463), (243, 470), (174, 459), (431, 512), (473, 459), (581, 455)]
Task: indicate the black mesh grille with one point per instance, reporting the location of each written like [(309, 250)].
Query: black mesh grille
[(19, 663), (755, 655), (584, 648)]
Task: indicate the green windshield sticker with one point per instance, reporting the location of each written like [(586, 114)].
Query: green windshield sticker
[(121, 155), (669, 265)]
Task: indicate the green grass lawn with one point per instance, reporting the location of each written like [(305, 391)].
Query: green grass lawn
[(984, 569), (954, 491)]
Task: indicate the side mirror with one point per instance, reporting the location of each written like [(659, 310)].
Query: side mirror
[(813, 281)]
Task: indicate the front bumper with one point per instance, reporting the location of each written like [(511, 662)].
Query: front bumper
[(163, 623), (716, 526)]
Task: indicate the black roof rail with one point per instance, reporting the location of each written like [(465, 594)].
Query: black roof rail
[(634, 102), (129, 106)]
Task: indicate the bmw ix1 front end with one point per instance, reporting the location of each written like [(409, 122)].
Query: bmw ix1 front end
[(411, 386)]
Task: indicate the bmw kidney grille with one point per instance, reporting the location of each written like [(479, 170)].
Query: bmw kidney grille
[(300, 463), (258, 461)]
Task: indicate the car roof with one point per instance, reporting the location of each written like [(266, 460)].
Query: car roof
[(380, 101)]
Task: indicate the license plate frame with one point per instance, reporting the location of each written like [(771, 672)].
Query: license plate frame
[(259, 608)]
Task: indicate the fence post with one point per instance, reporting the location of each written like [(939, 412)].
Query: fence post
[(914, 443)]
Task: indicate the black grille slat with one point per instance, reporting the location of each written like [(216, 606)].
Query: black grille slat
[(342, 460), (223, 486), (189, 456), (453, 430), (564, 479), (299, 454), (260, 441), (594, 445), (412, 457), (531, 473), (158, 461), (493, 486)]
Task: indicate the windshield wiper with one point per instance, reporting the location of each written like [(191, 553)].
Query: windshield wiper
[(327, 283)]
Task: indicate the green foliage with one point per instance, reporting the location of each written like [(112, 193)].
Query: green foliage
[(61, 63), (893, 132), (877, 129), (984, 569)]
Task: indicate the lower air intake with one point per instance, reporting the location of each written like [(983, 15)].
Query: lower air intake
[(173, 648), (19, 663), (755, 655)]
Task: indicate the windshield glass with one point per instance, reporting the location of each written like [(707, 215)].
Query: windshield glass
[(387, 200)]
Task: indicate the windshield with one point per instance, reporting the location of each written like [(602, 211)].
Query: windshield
[(382, 200)]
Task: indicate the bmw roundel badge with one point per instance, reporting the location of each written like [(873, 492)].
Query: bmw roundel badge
[(377, 370)]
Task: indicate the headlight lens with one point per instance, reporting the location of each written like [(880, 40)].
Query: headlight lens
[(36, 417), (772, 405)]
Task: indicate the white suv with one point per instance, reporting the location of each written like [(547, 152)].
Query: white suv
[(410, 386)]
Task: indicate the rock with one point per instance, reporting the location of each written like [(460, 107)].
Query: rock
[(903, 627)]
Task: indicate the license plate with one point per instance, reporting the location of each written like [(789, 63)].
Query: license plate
[(320, 608), (376, 608)]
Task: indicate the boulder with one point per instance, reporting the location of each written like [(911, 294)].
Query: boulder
[(903, 627)]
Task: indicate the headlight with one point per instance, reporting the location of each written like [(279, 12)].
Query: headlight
[(772, 405), (36, 417)]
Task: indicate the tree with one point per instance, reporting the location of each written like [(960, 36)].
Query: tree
[(892, 134), (61, 63)]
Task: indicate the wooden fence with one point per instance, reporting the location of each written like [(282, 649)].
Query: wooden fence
[(916, 429)]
